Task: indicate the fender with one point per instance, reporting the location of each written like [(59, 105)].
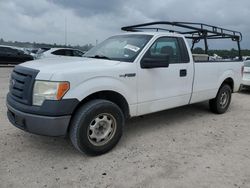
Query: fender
[(93, 85), (227, 74)]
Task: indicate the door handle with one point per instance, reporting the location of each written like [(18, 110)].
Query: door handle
[(183, 72)]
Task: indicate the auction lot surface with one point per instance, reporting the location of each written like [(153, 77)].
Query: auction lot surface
[(183, 147)]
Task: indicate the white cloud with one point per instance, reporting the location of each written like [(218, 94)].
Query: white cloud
[(44, 20)]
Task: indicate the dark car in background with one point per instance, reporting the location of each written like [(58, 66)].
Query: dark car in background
[(13, 55)]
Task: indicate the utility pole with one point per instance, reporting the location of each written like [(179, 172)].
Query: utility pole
[(65, 31)]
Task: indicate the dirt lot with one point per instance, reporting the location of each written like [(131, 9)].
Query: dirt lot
[(183, 147)]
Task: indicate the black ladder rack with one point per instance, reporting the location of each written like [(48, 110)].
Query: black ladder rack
[(194, 31)]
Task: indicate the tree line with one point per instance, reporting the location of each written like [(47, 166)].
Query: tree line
[(85, 47), (223, 53)]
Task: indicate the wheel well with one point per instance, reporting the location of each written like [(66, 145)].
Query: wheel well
[(112, 96), (230, 82)]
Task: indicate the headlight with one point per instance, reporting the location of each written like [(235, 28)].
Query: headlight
[(48, 90)]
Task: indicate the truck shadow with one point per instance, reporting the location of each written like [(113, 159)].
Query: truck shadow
[(167, 118), (245, 91)]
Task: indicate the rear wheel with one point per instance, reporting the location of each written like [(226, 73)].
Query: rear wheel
[(97, 127), (222, 101)]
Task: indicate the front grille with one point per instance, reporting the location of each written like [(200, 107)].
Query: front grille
[(21, 84)]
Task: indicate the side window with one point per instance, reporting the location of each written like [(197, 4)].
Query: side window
[(184, 51), (6, 50), (69, 52), (165, 46), (12, 52), (59, 52), (2, 50), (78, 53)]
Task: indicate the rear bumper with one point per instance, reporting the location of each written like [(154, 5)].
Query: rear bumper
[(246, 77), (39, 124)]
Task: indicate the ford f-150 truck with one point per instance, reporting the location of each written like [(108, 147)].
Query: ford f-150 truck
[(127, 75)]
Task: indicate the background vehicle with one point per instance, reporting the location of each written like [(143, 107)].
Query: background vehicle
[(31, 51), (54, 52), (13, 55), (127, 75), (246, 75)]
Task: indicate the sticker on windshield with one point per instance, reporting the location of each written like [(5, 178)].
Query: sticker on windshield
[(132, 47)]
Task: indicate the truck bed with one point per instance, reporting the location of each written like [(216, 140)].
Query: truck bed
[(209, 75)]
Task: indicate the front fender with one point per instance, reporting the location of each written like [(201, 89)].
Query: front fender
[(103, 83)]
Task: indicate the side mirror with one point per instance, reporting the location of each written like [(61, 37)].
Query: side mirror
[(155, 62)]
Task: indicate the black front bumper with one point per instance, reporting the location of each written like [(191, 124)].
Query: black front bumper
[(37, 124), (50, 119)]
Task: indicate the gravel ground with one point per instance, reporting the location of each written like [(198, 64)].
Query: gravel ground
[(182, 147)]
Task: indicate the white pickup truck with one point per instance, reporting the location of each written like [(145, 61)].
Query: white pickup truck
[(127, 75)]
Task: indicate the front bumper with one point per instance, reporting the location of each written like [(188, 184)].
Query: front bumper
[(39, 124), (51, 119)]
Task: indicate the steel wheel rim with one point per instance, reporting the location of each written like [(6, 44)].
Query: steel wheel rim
[(224, 99), (101, 129)]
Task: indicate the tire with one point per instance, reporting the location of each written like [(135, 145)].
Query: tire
[(96, 127), (221, 102)]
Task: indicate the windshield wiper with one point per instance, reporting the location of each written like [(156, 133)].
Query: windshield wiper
[(98, 57)]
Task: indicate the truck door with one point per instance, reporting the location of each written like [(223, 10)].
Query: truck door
[(162, 88)]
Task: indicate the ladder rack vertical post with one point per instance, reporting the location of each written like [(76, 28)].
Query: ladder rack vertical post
[(240, 55)]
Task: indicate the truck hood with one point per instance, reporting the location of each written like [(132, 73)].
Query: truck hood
[(61, 64)]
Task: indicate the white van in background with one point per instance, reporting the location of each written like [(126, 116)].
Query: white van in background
[(246, 75), (55, 52)]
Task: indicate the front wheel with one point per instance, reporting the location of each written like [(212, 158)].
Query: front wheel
[(96, 127), (221, 102)]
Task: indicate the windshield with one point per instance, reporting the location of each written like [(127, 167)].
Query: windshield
[(247, 63), (120, 48)]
